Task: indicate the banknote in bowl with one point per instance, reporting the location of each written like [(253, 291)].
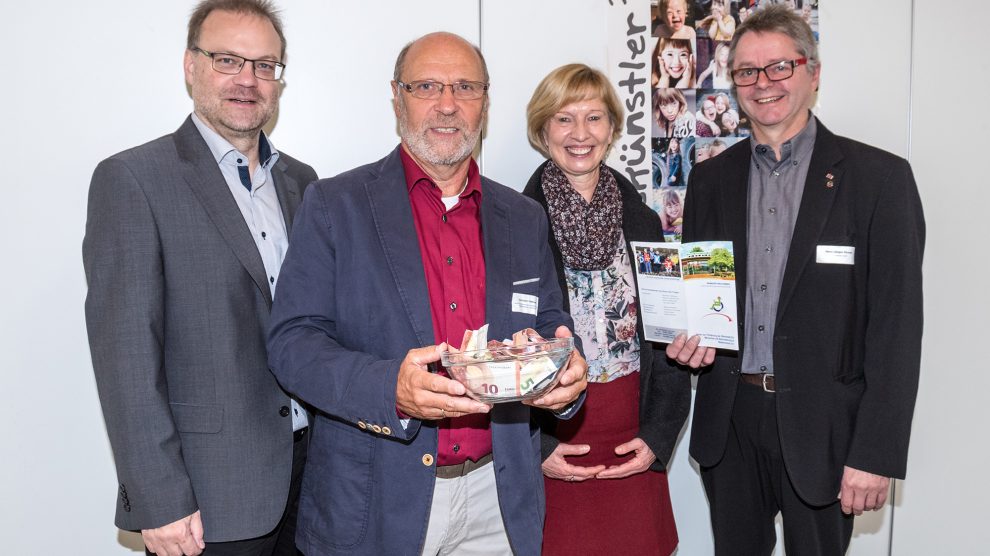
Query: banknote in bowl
[(507, 373)]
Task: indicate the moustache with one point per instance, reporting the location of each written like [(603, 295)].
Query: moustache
[(243, 93)]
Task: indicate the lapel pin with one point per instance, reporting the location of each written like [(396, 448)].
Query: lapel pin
[(830, 184)]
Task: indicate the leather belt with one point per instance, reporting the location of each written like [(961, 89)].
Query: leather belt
[(763, 380), (461, 469)]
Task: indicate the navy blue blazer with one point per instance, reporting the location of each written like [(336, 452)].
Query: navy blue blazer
[(352, 300)]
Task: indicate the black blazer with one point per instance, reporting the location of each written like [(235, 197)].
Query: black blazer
[(847, 343), (664, 391)]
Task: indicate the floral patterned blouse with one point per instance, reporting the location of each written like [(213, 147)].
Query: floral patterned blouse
[(603, 305)]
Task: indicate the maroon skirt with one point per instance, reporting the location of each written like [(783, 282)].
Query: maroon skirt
[(608, 516)]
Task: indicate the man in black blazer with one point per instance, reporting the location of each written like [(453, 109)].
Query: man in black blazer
[(184, 240), (812, 416)]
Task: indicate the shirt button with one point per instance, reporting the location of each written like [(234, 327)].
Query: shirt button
[(769, 249), (457, 448), (776, 174), (263, 235), (763, 287), (444, 218), (772, 210), (453, 306), (761, 328), (271, 279), (240, 161), (450, 260), (763, 368)]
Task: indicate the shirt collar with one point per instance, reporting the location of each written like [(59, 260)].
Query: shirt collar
[(799, 146), (415, 175), (221, 148)]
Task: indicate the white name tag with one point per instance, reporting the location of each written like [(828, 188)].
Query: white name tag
[(525, 303), (835, 254)]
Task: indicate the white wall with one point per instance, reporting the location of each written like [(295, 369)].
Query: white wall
[(943, 504), (79, 96)]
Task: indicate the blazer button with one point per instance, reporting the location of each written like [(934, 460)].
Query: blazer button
[(386, 431), (376, 428), (427, 459), (283, 411), (362, 425)]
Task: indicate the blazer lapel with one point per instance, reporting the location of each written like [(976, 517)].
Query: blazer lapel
[(496, 235), (820, 188), (392, 213), (734, 193), (200, 171)]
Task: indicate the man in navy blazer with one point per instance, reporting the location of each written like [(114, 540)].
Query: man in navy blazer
[(811, 418), (407, 252)]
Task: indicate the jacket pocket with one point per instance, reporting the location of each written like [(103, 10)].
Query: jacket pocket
[(204, 419), (337, 484)]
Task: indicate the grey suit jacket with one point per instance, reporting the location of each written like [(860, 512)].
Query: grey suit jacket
[(176, 311)]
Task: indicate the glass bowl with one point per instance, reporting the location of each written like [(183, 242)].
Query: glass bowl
[(506, 373)]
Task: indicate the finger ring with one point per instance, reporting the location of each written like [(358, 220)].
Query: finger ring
[(571, 478)]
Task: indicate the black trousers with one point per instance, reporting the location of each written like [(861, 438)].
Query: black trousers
[(750, 486), (282, 540)]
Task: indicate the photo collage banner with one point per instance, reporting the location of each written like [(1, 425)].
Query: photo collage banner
[(694, 113)]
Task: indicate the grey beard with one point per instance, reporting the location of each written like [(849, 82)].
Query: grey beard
[(421, 147)]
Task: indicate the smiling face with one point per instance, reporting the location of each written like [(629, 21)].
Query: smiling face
[(577, 137), (777, 109), (441, 132), (675, 60), (721, 104), (676, 14), (235, 106)]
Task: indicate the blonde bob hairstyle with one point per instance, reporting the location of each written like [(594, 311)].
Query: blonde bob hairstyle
[(562, 86)]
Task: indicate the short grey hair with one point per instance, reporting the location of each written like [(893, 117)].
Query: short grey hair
[(778, 18)]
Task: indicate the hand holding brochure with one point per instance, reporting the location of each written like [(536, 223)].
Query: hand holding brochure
[(688, 288)]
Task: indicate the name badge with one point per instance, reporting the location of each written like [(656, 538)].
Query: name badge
[(835, 254), (525, 303)]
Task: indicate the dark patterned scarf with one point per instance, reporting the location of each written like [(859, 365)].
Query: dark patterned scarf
[(587, 233)]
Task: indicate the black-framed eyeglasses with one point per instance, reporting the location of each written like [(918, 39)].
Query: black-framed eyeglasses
[(777, 71), (431, 90), (231, 64)]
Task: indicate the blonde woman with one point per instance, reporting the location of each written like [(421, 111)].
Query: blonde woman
[(605, 480), (718, 69)]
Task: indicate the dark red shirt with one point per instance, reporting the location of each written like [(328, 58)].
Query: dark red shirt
[(452, 249)]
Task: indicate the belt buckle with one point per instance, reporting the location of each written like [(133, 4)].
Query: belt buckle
[(765, 388)]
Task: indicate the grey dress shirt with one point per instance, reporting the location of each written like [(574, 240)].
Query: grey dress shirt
[(775, 190)]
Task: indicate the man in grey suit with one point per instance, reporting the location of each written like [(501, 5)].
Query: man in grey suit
[(184, 241)]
